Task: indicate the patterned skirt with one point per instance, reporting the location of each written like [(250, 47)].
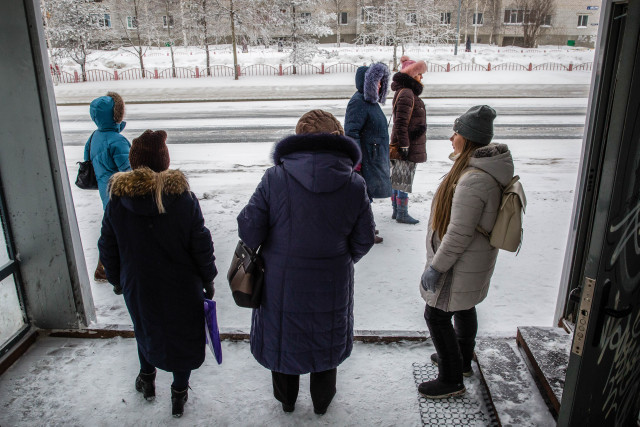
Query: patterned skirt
[(402, 173)]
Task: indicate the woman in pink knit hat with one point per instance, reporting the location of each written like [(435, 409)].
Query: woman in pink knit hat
[(408, 136)]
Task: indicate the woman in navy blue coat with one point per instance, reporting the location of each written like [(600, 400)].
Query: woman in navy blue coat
[(312, 217), (365, 122), (157, 252)]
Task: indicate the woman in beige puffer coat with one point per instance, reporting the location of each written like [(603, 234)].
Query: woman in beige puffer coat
[(460, 260)]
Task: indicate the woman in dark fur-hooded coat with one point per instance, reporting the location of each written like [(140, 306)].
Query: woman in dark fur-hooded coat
[(365, 122), (312, 218), (157, 251)]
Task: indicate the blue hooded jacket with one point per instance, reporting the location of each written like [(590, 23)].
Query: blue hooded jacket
[(109, 150), (365, 122), (312, 218)]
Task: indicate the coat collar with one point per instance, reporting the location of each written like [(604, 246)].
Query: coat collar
[(316, 142), (403, 80), (144, 181)]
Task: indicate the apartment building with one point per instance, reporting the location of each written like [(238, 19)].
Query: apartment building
[(501, 22)]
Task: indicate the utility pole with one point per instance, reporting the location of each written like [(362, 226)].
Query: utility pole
[(455, 50)]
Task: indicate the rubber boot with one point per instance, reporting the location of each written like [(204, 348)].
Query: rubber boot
[(145, 384), (394, 215), (100, 275), (178, 399), (403, 212)]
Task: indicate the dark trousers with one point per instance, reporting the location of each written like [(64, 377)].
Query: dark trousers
[(180, 378), (323, 387), (454, 344)]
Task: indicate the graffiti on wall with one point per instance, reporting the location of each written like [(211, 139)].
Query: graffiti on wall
[(622, 339)]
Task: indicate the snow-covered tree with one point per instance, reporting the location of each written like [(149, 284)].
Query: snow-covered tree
[(337, 7), (398, 22), (300, 22), (75, 28), (170, 10), (138, 25)]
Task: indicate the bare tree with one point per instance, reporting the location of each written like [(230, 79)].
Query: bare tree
[(536, 16), (169, 8), (138, 26)]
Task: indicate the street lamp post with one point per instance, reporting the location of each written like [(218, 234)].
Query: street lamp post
[(455, 50)]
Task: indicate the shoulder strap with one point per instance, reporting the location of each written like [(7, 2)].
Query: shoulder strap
[(89, 141)]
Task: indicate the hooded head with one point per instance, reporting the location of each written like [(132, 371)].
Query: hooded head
[(150, 150), (411, 67), (476, 124), (107, 112), (319, 121)]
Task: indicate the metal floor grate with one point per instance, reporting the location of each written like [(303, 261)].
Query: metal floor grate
[(471, 409)]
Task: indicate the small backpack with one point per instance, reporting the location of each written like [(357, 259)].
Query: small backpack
[(507, 231)]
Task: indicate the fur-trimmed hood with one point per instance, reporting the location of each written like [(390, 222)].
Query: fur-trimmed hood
[(367, 79), (320, 162), (105, 110), (147, 192), (496, 160), (403, 80)]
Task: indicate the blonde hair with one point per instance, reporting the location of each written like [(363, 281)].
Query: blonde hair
[(443, 198)]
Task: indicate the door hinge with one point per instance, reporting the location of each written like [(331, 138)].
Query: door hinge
[(583, 316)]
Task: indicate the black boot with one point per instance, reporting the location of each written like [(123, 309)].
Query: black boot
[(438, 389), (178, 399), (467, 370), (146, 384)]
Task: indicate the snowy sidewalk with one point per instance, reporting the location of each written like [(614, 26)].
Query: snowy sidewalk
[(477, 84), (70, 381)]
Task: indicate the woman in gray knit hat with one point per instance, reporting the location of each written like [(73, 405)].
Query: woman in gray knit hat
[(460, 260)]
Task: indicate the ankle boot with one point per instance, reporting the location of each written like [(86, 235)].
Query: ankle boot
[(403, 213), (99, 275), (178, 399), (394, 205), (437, 389), (146, 384)]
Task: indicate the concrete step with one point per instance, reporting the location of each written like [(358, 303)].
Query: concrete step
[(547, 350), (514, 396)]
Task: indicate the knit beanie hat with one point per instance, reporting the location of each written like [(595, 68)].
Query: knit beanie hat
[(319, 121), (476, 124), (411, 67), (150, 150)]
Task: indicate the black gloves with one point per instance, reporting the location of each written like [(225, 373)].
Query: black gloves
[(404, 153), (117, 289), (209, 290)]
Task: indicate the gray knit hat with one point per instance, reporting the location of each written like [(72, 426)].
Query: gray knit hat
[(476, 124)]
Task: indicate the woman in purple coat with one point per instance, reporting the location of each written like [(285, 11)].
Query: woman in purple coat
[(312, 217)]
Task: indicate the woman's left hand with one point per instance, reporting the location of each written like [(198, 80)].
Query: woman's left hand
[(430, 279)]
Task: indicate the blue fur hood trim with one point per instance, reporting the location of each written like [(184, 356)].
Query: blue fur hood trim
[(377, 72), (316, 142)]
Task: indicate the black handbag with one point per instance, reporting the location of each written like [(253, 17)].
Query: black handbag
[(246, 276), (86, 175)]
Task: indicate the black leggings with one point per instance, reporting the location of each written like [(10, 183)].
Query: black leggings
[(323, 387), (454, 344), (180, 378)]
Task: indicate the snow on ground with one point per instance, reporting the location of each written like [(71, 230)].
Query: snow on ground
[(91, 382), (191, 56), (524, 287)]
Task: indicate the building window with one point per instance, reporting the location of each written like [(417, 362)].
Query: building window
[(343, 18), (546, 22), (513, 16), (132, 22), (478, 19), (583, 20), (369, 15), (305, 17), (100, 20), (167, 21), (445, 18), (411, 18)]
